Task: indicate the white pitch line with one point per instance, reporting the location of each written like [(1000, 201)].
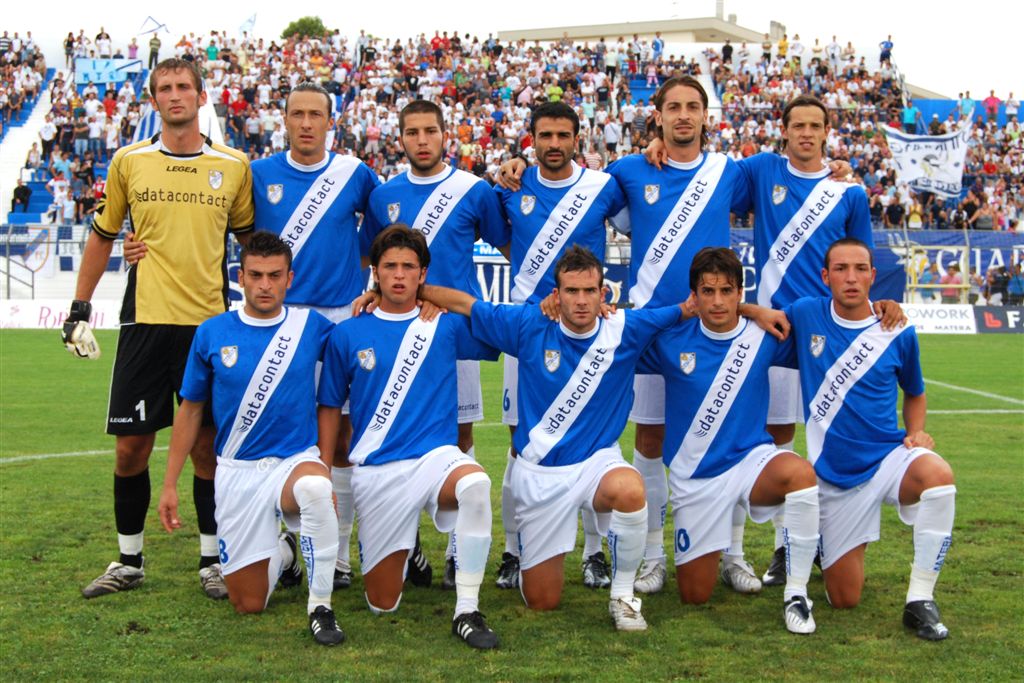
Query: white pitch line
[(51, 456), (976, 412), (986, 394)]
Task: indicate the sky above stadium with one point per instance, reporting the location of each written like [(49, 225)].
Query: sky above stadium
[(942, 46)]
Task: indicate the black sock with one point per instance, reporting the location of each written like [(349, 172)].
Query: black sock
[(131, 503), (202, 496)]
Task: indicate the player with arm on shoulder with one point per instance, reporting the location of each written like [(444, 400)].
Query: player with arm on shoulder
[(257, 367), (850, 372), (452, 208), (579, 371), (182, 194), (398, 370), (718, 453)]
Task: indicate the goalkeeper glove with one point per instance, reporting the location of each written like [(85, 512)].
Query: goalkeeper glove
[(77, 335)]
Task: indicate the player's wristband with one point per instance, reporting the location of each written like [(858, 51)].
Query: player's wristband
[(80, 310)]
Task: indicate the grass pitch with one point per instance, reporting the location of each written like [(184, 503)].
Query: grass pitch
[(57, 533)]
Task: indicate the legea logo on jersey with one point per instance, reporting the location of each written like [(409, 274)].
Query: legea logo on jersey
[(527, 203), (228, 355), (817, 344), (778, 194), (216, 178), (552, 359), (394, 210), (651, 193), (367, 359), (687, 362), (275, 193)]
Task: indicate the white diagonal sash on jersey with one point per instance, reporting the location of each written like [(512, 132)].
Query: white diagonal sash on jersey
[(556, 231), (796, 233), (673, 232), (848, 369), (412, 353), (572, 400), (317, 201), (719, 399), (442, 202), (266, 378)]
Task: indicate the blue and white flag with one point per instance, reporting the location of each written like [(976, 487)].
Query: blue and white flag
[(150, 123), (930, 163), (151, 25), (248, 25)]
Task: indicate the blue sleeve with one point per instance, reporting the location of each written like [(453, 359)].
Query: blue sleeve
[(652, 321), (334, 379), (198, 380), (616, 198), (910, 377), (499, 324), (650, 360), (368, 182), (371, 227), (743, 185), (491, 222), (468, 347), (858, 223), (785, 352), (324, 329)]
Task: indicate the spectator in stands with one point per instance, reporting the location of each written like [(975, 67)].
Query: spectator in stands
[(21, 195), (991, 104), (953, 280), (911, 117), (885, 48), (984, 218), (977, 284), (998, 284), (1015, 287), (894, 213), (34, 160), (930, 276)]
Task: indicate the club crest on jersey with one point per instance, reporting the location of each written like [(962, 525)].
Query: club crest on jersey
[(687, 362), (228, 355), (367, 359), (275, 193), (393, 211), (552, 359), (817, 344), (527, 203), (778, 194), (651, 193), (216, 178)]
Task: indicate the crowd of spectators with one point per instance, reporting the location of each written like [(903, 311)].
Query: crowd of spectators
[(22, 71)]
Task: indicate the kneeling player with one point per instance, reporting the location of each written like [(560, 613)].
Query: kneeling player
[(258, 366), (849, 371), (400, 373), (578, 375), (716, 447)]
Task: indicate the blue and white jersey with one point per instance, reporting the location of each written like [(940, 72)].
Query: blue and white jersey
[(717, 385), (674, 213), (315, 210), (260, 375), (849, 373), (399, 373), (451, 209), (547, 216), (797, 217), (575, 390)]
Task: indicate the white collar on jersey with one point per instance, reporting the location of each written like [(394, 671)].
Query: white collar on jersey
[(580, 335), (686, 165), (308, 168), (577, 171), (811, 175), (851, 324), (430, 179), (262, 322), (408, 315), (199, 153), (731, 334)]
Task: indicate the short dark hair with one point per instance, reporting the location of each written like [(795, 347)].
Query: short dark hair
[(310, 86), (690, 82), (719, 261), (849, 242), (264, 244), (578, 259), (803, 101), (400, 236), (420, 107), (175, 64), (555, 110)]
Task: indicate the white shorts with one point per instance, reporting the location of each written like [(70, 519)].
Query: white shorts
[(784, 402), (850, 517), (471, 396), (335, 314), (648, 400), (510, 392), (248, 497), (702, 508), (389, 498), (548, 499)]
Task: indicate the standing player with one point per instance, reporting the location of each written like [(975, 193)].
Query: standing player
[(579, 372), (718, 453), (257, 367), (559, 204), (452, 208), (182, 194), (849, 371), (398, 371)]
